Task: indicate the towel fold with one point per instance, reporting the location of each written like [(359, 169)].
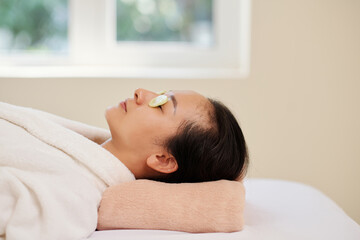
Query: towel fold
[(52, 175)]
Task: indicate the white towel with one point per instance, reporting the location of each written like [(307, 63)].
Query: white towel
[(52, 175)]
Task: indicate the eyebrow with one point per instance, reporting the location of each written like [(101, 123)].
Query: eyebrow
[(172, 96)]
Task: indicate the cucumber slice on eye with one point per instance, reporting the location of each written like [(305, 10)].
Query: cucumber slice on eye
[(158, 101)]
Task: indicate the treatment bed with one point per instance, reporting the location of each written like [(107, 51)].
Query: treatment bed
[(275, 209), (83, 172)]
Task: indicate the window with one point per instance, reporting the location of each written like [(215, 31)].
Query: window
[(32, 32), (132, 39), (165, 21), (33, 26)]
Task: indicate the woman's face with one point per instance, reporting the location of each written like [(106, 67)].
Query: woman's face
[(136, 126)]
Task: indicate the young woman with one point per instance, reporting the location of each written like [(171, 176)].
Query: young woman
[(55, 172), (186, 138)]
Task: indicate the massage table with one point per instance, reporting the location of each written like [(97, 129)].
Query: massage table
[(275, 209)]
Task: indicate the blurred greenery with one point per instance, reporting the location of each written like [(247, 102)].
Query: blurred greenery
[(33, 25), (165, 20), (43, 24)]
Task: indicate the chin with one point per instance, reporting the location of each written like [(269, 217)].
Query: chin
[(113, 116), (110, 113)]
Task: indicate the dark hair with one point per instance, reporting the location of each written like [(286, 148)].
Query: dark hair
[(208, 154)]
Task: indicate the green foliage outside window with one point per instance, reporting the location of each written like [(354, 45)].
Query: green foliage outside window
[(33, 25), (164, 20), (42, 25)]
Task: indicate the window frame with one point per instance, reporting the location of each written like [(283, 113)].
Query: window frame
[(94, 52)]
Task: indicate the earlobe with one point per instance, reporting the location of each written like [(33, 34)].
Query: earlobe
[(164, 163)]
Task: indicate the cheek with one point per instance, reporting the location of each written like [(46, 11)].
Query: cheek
[(131, 129), (148, 131), (141, 128)]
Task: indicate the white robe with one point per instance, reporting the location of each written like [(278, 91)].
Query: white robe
[(52, 175)]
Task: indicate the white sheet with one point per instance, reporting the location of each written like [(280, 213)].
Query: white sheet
[(275, 209)]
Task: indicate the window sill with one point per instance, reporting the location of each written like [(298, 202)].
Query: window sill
[(121, 73)]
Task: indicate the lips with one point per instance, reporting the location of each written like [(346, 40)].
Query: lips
[(123, 105)]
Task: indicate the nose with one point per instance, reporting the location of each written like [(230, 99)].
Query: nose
[(143, 96)]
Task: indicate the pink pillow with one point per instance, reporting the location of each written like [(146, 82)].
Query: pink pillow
[(190, 207)]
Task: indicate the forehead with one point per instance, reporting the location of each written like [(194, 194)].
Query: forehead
[(188, 97), (189, 103)]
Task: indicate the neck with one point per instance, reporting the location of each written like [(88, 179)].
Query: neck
[(138, 168)]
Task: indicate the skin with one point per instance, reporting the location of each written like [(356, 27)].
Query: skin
[(137, 133)]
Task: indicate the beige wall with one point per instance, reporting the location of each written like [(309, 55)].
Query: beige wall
[(299, 108)]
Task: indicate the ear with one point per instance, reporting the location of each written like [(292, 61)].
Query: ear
[(162, 162)]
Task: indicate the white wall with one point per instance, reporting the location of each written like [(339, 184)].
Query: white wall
[(299, 108)]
